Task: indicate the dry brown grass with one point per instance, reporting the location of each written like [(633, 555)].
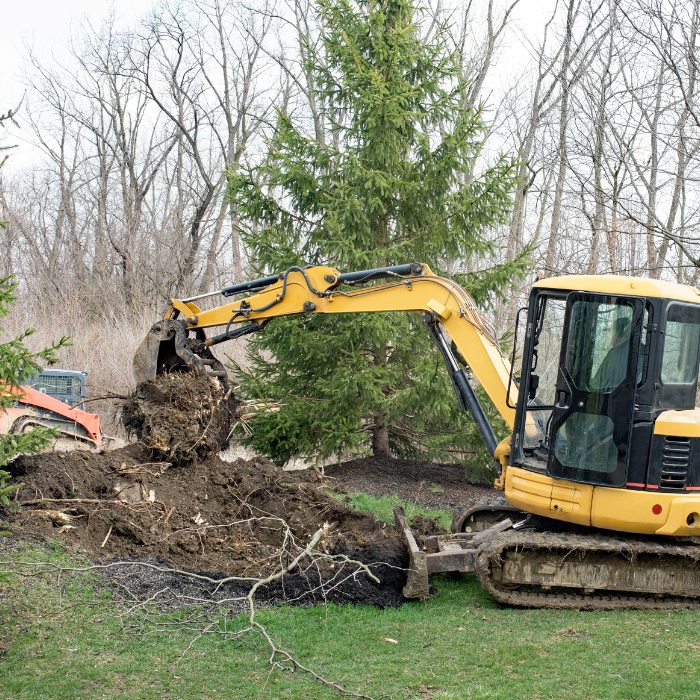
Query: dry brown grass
[(102, 347)]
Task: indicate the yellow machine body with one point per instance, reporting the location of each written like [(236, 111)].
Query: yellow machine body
[(617, 509), (648, 512)]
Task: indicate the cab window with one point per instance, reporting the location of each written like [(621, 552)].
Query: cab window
[(598, 345), (681, 345)]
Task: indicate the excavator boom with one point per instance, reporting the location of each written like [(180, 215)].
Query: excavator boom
[(412, 288)]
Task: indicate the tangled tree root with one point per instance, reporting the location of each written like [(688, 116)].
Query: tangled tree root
[(183, 417)]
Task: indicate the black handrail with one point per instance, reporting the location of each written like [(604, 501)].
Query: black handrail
[(250, 286), (381, 273), (512, 359), (407, 270)]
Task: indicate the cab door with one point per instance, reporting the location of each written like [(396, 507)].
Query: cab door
[(591, 425)]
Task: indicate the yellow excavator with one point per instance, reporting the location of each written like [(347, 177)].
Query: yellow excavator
[(598, 488)]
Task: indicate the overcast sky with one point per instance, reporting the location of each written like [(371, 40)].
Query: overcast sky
[(47, 25)]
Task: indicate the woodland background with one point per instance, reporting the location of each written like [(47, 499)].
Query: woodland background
[(128, 206)]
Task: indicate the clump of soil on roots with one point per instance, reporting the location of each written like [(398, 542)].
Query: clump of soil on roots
[(182, 417), (424, 527), (204, 516)]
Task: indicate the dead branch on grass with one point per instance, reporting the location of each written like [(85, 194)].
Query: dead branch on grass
[(200, 619)]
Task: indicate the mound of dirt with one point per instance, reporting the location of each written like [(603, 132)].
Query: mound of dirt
[(428, 483), (182, 417), (205, 516), (423, 528)]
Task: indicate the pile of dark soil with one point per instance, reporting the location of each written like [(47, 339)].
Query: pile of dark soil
[(430, 483), (169, 499), (129, 504), (423, 528), (182, 417)]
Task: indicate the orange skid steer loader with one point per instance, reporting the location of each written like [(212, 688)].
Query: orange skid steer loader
[(48, 400)]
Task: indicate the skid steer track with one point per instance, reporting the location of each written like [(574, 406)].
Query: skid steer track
[(592, 572)]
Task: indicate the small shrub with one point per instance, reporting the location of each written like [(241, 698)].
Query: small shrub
[(5, 490)]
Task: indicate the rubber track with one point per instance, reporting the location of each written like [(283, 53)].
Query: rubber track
[(491, 553)]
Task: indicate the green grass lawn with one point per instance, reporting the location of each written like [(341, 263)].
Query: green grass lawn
[(458, 644), (383, 508)]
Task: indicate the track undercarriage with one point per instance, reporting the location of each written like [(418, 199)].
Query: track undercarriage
[(520, 562)]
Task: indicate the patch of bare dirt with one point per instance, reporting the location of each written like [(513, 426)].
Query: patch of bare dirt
[(426, 527), (131, 504), (432, 484)]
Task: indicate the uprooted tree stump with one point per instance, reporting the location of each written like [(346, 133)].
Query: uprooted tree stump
[(183, 417)]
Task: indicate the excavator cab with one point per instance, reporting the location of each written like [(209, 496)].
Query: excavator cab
[(603, 362)]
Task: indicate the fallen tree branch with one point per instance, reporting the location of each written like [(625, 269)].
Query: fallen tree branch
[(103, 397), (99, 501), (109, 532), (199, 622), (140, 468)]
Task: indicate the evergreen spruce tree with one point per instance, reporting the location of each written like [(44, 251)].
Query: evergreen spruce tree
[(393, 182)]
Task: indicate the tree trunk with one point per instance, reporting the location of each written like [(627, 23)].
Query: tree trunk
[(210, 271), (236, 251), (599, 223), (653, 272), (380, 436), (562, 156)]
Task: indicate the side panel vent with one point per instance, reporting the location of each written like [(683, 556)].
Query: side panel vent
[(675, 463)]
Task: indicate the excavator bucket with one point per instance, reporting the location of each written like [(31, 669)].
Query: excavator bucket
[(166, 348), (145, 365), (155, 355)]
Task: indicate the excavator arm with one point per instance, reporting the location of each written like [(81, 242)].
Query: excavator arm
[(179, 340)]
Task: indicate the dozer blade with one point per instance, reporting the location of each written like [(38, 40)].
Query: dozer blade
[(440, 553), (166, 348)]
